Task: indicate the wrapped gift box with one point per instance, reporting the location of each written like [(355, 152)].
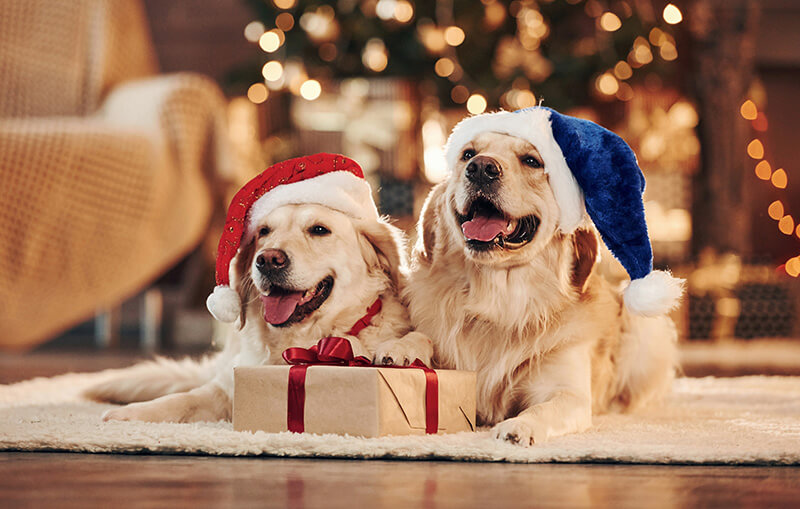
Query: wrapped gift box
[(358, 401)]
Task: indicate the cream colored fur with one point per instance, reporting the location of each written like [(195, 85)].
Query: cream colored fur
[(366, 259), (549, 338)]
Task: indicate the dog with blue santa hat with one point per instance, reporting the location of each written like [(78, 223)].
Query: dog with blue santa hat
[(504, 281)]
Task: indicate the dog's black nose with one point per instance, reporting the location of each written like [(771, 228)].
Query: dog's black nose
[(271, 260), (483, 170)]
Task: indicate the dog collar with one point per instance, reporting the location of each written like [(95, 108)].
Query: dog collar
[(365, 320)]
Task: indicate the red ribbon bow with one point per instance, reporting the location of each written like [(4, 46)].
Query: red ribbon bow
[(336, 351)]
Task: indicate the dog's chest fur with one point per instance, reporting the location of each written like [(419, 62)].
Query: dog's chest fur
[(510, 320)]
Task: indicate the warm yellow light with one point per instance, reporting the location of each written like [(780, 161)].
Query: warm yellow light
[(444, 67), (763, 170), (610, 22), (253, 31), (310, 90), (459, 94), (476, 104), (525, 99), (755, 149), (375, 57), (668, 51), (272, 70), (257, 93), (779, 179), (793, 266), (625, 92), (775, 210), (672, 14), (797, 231), (284, 4), (749, 110), (641, 52), (269, 41), (403, 11), (284, 21), (454, 36), (786, 225), (607, 84), (657, 36), (623, 70)]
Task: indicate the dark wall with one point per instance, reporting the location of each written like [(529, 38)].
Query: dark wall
[(205, 36)]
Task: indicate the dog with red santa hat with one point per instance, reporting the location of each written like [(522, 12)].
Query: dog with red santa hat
[(304, 255)]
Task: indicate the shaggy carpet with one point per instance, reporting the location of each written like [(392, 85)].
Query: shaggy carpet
[(731, 421)]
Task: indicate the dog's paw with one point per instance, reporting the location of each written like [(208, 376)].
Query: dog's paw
[(402, 352), (519, 431), (124, 413)]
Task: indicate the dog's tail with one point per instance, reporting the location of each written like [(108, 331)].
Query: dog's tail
[(647, 360), (152, 379)]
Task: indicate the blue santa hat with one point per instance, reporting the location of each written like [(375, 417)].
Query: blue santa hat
[(591, 171)]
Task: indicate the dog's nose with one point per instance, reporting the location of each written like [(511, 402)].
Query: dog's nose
[(271, 260), (483, 170)]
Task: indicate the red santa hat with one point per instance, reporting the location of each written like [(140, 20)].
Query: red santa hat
[(331, 180)]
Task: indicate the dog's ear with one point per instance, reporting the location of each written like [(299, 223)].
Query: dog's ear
[(383, 245), (584, 258), (240, 276), (428, 223)]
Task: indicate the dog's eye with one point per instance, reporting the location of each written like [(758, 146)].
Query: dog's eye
[(263, 232), (531, 161), (318, 230), (468, 154)]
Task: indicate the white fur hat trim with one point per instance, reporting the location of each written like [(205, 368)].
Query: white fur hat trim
[(534, 126), (339, 190)]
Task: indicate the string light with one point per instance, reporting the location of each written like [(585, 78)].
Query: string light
[(775, 210), (763, 170), (310, 90), (779, 179), (755, 149), (476, 104), (610, 22), (748, 110), (284, 21), (454, 36), (623, 70), (272, 70), (269, 41), (607, 84), (786, 225), (672, 14), (444, 67), (284, 4), (254, 30), (257, 93), (403, 11), (793, 266)]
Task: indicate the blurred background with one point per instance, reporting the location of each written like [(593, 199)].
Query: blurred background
[(126, 126)]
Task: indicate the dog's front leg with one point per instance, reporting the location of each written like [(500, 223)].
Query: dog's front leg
[(405, 350), (206, 403), (558, 399)]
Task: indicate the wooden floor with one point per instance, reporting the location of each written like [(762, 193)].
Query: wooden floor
[(121, 481)]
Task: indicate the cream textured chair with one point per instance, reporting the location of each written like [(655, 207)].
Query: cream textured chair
[(105, 167)]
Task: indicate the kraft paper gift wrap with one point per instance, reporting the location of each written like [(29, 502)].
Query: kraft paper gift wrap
[(358, 401)]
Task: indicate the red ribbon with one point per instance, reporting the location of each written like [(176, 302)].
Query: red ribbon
[(336, 351)]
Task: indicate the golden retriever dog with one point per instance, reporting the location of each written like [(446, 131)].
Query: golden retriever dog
[(309, 272), (549, 338)]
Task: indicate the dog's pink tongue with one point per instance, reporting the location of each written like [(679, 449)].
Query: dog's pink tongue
[(484, 228), (278, 308)]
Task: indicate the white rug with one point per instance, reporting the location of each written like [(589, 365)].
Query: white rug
[(740, 421)]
